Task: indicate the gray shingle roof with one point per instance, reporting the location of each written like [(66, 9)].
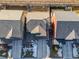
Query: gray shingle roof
[(36, 22), (66, 16), (8, 19), (64, 28), (67, 21), (5, 27), (10, 14)]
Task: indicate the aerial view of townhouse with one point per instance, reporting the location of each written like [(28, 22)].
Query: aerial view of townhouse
[(39, 29)]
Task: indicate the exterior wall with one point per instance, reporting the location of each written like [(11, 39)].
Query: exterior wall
[(42, 50), (16, 49)]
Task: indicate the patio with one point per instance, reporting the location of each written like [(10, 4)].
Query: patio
[(5, 51), (56, 51), (75, 50), (29, 50)]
